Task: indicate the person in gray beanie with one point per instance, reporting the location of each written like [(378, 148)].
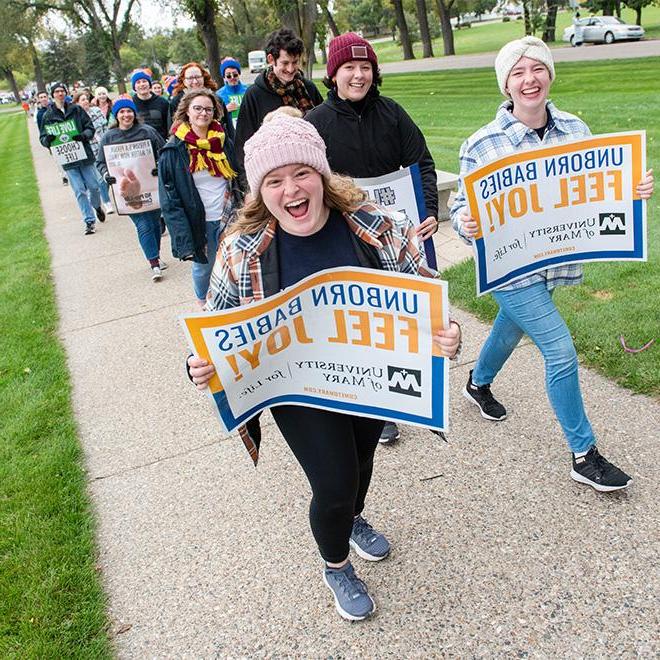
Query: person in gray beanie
[(527, 120)]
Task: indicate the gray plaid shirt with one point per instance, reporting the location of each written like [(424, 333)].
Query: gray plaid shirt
[(505, 135)]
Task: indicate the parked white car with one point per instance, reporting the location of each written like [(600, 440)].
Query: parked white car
[(604, 29)]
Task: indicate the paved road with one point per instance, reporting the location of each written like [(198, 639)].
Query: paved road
[(497, 553), (634, 49)]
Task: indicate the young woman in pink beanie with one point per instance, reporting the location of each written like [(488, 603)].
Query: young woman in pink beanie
[(301, 219), (527, 120)]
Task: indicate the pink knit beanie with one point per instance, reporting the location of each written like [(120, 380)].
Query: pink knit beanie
[(346, 48), (283, 140)]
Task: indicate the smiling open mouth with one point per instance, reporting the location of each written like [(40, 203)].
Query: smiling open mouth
[(298, 208)]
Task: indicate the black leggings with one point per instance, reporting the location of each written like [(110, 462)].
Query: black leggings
[(336, 452)]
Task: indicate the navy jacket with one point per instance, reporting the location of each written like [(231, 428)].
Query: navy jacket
[(180, 202)]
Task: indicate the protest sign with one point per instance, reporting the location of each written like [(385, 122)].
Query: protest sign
[(556, 205), (401, 191), (65, 149), (351, 340), (131, 163)]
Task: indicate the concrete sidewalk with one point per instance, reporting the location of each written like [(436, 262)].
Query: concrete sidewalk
[(497, 552)]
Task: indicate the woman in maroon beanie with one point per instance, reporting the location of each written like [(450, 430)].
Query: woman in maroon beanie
[(369, 135)]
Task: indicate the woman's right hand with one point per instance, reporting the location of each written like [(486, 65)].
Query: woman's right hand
[(468, 225), (201, 372)]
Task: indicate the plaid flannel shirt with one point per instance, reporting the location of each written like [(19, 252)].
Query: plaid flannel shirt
[(237, 279), (506, 135)]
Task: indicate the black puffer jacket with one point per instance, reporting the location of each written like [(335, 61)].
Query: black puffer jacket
[(258, 101), (378, 141), (181, 205)]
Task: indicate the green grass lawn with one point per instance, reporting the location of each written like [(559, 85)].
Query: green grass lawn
[(488, 37), (51, 601), (616, 298)]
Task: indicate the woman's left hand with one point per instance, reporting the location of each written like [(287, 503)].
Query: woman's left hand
[(427, 228), (448, 340), (645, 186)]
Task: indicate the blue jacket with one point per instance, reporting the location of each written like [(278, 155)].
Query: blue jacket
[(181, 205)]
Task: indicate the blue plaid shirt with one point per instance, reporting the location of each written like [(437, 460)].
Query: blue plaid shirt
[(503, 136)]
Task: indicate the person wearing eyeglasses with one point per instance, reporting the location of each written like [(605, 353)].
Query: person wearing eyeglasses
[(197, 184), (195, 76), (233, 90)]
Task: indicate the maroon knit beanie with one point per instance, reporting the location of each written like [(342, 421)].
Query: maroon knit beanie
[(348, 47)]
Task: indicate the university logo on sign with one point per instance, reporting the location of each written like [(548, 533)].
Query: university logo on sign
[(404, 381), (612, 223)]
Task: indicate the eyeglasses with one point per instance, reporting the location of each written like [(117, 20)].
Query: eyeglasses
[(229, 76), (194, 78), (200, 108)]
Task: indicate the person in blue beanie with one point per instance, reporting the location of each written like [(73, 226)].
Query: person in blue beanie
[(233, 90), (152, 109)]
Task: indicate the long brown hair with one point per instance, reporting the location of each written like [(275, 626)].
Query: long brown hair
[(209, 83), (181, 114), (339, 192)]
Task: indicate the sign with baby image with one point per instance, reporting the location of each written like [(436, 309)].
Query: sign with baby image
[(569, 203), (132, 164), (351, 340)]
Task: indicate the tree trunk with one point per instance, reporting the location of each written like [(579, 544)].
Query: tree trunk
[(424, 32), (403, 30), (118, 70), (608, 8), (332, 24), (527, 15), (9, 75), (638, 15), (308, 34), (550, 22), (444, 11), (617, 9), (38, 73), (205, 20)]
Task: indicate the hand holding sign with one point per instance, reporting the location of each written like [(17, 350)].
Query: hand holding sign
[(130, 188), (201, 372), (645, 186)]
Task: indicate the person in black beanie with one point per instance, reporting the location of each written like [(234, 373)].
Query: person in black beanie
[(80, 172)]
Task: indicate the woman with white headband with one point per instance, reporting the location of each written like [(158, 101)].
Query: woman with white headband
[(527, 120)]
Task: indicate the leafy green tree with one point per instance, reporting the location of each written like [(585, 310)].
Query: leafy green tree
[(637, 6)]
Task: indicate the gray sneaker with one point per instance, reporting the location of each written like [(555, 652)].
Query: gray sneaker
[(389, 434), (367, 542), (352, 599)]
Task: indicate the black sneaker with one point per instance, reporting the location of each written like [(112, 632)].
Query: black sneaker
[(481, 396), (595, 471), (65, 181), (89, 228), (100, 214), (389, 434)]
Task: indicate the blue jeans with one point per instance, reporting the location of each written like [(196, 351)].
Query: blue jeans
[(148, 230), (201, 273), (532, 311), (103, 188), (85, 186)]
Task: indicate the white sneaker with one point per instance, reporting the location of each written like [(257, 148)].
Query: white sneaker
[(162, 265), (156, 274), (108, 208)]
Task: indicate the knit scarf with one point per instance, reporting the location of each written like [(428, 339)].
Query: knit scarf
[(206, 153), (294, 93)]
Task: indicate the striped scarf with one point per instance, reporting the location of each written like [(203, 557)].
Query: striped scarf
[(206, 153)]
